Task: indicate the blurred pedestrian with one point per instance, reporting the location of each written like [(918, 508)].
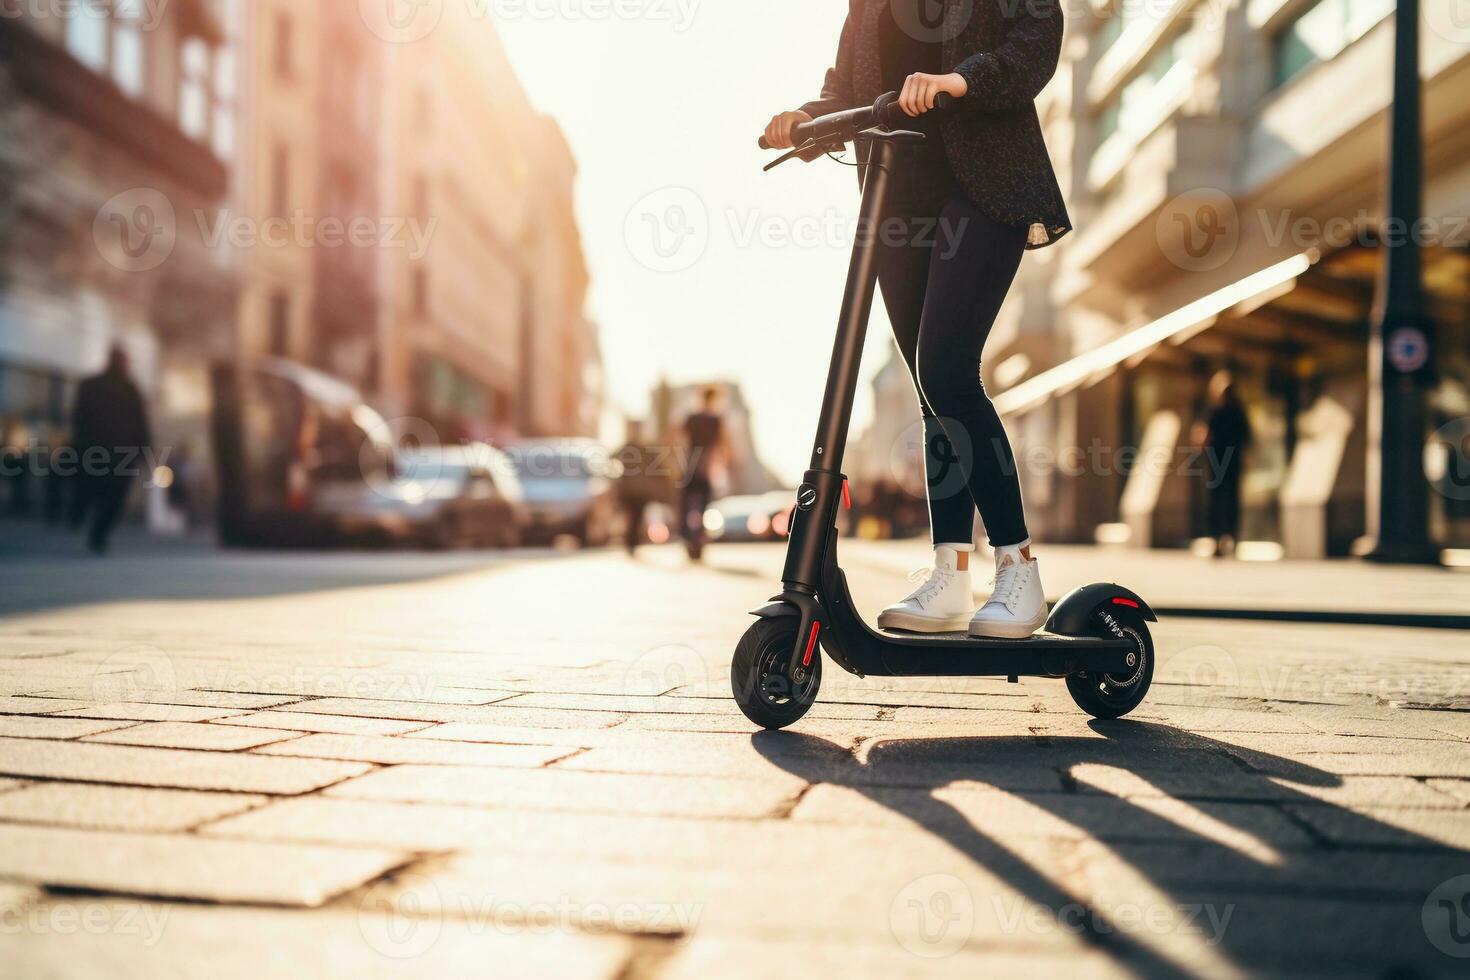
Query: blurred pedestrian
[(642, 480), (111, 434), (1225, 435), (15, 463), (707, 461)]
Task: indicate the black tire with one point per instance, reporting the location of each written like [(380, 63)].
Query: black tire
[(1113, 696), (758, 674)]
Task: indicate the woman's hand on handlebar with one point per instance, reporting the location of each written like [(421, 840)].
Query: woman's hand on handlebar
[(778, 132), (920, 91)]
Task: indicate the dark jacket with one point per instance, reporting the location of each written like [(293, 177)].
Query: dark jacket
[(1007, 50), (110, 415)]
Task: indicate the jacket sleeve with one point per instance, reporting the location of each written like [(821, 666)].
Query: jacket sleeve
[(1015, 72), (837, 87)]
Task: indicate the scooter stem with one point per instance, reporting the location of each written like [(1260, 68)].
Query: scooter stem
[(816, 507), (857, 304)]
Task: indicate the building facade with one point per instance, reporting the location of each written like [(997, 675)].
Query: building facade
[(114, 135), (482, 327), (1224, 165)]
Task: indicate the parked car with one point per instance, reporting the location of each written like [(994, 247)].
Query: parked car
[(442, 497), (568, 490), (304, 462), (750, 517)]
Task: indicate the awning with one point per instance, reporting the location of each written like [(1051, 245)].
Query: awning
[(1177, 326)]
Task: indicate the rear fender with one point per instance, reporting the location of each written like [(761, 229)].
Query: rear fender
[(1072, 614)]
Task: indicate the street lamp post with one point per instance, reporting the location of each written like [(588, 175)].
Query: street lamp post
[(1401, 354)]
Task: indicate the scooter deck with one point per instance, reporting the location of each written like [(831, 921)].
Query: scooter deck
[(959, 654)]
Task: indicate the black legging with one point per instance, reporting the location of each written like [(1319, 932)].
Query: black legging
[(944, 268)]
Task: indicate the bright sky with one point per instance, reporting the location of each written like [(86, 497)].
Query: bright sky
[(670, 104)]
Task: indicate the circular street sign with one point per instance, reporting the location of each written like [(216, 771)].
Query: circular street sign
[(1408, 349)]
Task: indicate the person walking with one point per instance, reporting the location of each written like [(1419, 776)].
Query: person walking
[(111, 434), (1226, 436), (708, 457)]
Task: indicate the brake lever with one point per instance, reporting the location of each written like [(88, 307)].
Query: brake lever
[(806, 153)]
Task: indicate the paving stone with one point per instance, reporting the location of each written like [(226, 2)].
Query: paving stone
[(187, 866), (101, 807), (202, 699), (467, 731), (137, 711), (12, 705), (48, 726), (389, 750), (806, 757), (551, 789), (301, 721), (1388, 826), (194, 735), (1259, 828), (7, 784), (156, 941), (1458, 789), (371, 685), (1340, 791), (480, 714), (730, 958), (177, 768), (667, 704), (742, 844)]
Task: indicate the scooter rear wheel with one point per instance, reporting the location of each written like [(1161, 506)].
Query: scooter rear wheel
[(1114, 695), (758, 674)]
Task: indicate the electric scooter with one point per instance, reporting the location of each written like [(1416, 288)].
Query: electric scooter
[(1096, 637)]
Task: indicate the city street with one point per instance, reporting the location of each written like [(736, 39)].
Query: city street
[(529, 765)]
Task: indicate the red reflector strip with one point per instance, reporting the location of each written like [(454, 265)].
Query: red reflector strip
[(1120, 601), (811, 644), (846, 497)]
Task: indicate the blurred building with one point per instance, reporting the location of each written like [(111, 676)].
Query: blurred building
[(482, 329), (279, 178), (116, 122), (1224, 168), (345, 297)]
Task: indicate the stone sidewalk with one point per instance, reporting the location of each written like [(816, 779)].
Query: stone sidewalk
[(530, 765)]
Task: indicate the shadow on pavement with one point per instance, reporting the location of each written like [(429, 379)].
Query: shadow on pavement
[(1370, 906), (38, 575)]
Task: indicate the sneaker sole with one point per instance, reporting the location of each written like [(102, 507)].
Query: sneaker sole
[(1007, 631), (922, 624)]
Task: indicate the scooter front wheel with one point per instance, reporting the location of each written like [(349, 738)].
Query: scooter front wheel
[(1113, 695), (758, 674)]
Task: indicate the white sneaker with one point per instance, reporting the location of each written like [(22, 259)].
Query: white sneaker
[(941, 604), (1017, 607)]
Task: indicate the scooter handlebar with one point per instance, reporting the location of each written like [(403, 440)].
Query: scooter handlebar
[(841, 127)]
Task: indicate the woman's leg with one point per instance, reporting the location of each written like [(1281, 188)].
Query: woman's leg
[(903, 275), (972, 269)]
